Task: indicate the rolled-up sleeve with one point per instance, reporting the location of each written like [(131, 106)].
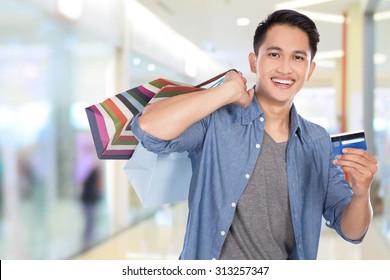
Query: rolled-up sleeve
[(190, 140), (339, 196)]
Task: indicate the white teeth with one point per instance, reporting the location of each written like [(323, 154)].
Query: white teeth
[(284, 82)]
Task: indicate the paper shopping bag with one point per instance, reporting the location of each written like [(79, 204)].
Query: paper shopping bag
[(109, 120), (159, 179)]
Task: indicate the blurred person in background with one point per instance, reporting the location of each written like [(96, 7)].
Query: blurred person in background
[(88, 174), (90, 196)]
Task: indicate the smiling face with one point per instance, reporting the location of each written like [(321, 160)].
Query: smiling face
[(282, 66)]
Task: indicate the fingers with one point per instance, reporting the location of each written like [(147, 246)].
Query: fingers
[(236, 77), (251, 93), (246, 98), (242, 96), (232, 74), (358, 163), (358, 159)]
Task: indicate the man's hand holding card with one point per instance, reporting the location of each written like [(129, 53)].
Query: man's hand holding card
[(352, 156)]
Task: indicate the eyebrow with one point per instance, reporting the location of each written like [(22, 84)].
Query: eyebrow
[(301, 52)]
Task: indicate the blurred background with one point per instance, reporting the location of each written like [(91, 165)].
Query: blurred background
[(58, 201)]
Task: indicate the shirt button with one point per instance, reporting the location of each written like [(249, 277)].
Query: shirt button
[(223, 233), (257, 146), (234, 205), (261, 119), (328, 223), (247, 176)]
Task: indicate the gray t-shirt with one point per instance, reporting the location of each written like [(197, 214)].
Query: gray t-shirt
[(262, 227)]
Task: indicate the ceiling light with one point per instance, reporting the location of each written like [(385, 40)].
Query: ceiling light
[(151, 67), (71, 9), (325, 64), (327, 59), (330, 54), (299, 4), (243, 21), (380, 58), (136, 61), (382, 16)]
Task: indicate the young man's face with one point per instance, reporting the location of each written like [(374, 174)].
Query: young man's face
[(283, 65)]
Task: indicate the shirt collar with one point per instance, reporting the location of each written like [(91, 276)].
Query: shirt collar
[(254, 111), (295, 124)]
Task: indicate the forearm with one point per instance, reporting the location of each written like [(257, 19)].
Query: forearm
[(356, 217), (168, 118)]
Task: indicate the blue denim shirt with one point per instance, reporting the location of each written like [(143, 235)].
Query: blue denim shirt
[(224, 147)]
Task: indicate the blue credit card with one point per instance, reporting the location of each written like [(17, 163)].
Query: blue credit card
[(355, 140)]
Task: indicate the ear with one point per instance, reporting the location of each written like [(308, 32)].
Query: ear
[(311, 70), (252, 62)]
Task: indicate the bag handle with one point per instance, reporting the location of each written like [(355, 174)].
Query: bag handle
[(214, 78)]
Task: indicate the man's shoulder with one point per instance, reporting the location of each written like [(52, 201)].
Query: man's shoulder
[(229, 112)]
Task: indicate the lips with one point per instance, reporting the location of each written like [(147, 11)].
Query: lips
[(283, 82)]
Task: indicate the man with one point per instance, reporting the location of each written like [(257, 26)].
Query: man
[(263, 176)]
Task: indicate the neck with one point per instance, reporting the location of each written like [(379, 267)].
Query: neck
[(278, 120)]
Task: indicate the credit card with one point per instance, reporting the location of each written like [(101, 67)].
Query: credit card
[(355, 140)]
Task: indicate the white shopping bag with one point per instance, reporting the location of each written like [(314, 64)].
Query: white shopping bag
[(159, 179)]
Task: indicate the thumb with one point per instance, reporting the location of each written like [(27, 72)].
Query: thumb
[(248, 100), (251, 93)]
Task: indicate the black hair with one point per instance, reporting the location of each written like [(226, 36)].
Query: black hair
[(291, 18)]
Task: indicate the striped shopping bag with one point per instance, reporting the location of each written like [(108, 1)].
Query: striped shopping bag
[(109, 121)]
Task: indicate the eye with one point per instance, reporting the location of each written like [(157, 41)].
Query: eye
[(299, 57), (273, 55)]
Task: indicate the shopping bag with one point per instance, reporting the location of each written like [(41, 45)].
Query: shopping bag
[(159, 179), (163, 178), (110, 120)]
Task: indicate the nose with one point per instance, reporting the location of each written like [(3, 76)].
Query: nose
[(284, 66)]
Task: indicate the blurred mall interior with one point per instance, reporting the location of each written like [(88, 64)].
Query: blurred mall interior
[(59, 56)]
